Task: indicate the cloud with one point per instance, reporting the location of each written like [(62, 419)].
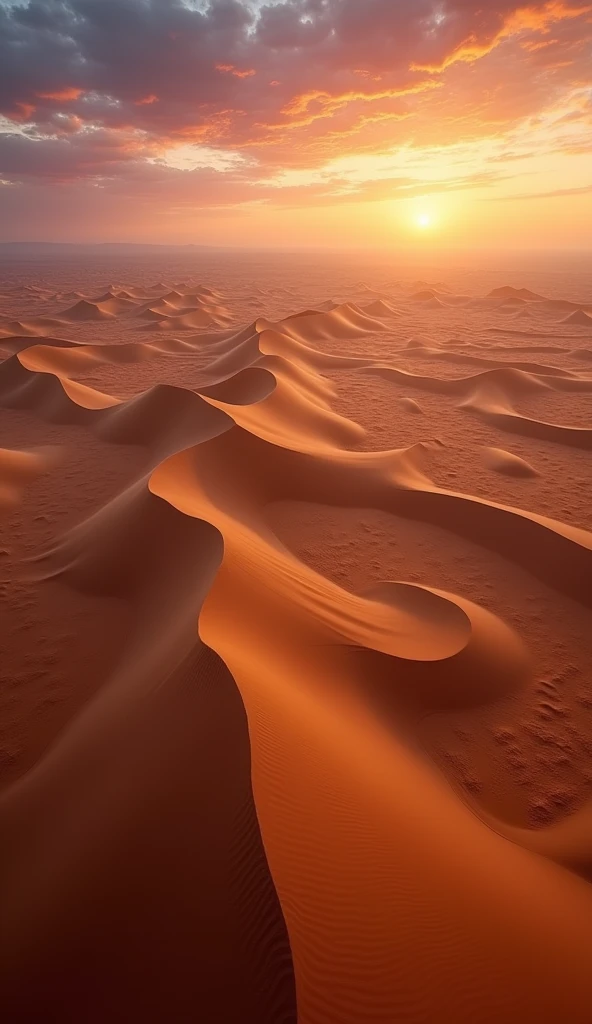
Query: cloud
[(82, 155), (581, 190), (96, 88), (65, 94), (231, 70)]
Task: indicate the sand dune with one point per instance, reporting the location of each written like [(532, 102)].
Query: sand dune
[(189, 321), (244, 822), (114, 302), (507, 292), (177, 312), (18, 343), (579, 318), (35, 327), (491, 393), (381, 309), (86, 310), (345, 321), (422, 348), (505, 462), (157, 311), (410, 405)]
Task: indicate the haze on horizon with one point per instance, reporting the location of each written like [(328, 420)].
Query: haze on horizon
[(300, 122)]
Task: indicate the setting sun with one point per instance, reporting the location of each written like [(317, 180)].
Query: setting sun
[(424, 220)]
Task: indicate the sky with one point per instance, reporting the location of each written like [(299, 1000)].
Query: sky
[(297, 123)]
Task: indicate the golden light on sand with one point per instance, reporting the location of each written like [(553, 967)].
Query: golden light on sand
[(265, 760)]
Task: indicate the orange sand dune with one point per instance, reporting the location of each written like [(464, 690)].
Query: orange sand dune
[(507, 292), (157, 311), (115, 303), (86, 310), (345, 321), (189, 321), (34, 327), (491, 393), (496, 407), (423, 349), (580, 318), (505, 462), (410, 405), (243, 823), (381, 309), (18, 343)]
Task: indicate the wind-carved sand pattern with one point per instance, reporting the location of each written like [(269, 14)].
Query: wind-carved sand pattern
[(298, 708)]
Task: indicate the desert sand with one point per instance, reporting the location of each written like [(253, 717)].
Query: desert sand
[(295, 587)]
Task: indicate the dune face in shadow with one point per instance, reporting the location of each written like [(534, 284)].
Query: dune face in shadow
[(246, 821), (162, 900), (163, 906), (18, 469)]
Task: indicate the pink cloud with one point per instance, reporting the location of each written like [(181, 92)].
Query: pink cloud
[(294, 84), (230, 69), (62, 95)]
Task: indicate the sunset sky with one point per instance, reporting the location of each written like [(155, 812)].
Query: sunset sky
[(297, 122)]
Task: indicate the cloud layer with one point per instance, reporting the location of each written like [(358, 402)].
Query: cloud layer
[(107, 92)]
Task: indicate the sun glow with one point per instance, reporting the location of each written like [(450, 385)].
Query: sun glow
[(424, 221)]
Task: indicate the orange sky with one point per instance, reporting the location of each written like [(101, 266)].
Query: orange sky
[(297, 122)]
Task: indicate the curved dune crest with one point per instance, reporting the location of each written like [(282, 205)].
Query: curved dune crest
[(247, 387), (17, 343), (186, 322), (508, 463), (344, 321), (157, 311), (446, 643), (86, 310), (381, 309), (427, 351), (490, 394), (163, 730), (493, 405), (410, 405)]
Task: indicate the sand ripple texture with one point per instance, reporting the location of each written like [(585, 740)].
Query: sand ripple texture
[(246, 816)]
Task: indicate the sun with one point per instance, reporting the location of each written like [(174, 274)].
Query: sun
[(424, 220)]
